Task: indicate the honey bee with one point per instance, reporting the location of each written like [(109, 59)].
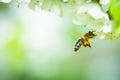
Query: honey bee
[(84, 40)]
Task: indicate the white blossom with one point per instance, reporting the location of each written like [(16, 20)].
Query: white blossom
[(104, 2), (6, 1)]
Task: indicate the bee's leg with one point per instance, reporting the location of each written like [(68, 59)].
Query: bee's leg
[(87, 44)]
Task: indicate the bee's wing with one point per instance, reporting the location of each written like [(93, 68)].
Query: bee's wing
[(78, 44)]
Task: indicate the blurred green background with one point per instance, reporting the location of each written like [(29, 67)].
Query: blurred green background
[(39, 45)]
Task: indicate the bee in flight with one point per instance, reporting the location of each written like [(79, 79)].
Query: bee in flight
[(84, 40)]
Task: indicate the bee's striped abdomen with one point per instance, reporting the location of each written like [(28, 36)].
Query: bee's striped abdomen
[(78, 44)]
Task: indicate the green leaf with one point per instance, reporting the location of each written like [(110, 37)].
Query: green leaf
[(115, 14)]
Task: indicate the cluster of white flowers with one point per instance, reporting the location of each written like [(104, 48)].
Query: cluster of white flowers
[(91, 14), (94, 16)]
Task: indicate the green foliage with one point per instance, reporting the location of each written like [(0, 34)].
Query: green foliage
[(4, 6), (15, 49), (115, 14)]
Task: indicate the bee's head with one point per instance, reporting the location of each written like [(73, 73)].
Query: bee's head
[(89, 35)]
